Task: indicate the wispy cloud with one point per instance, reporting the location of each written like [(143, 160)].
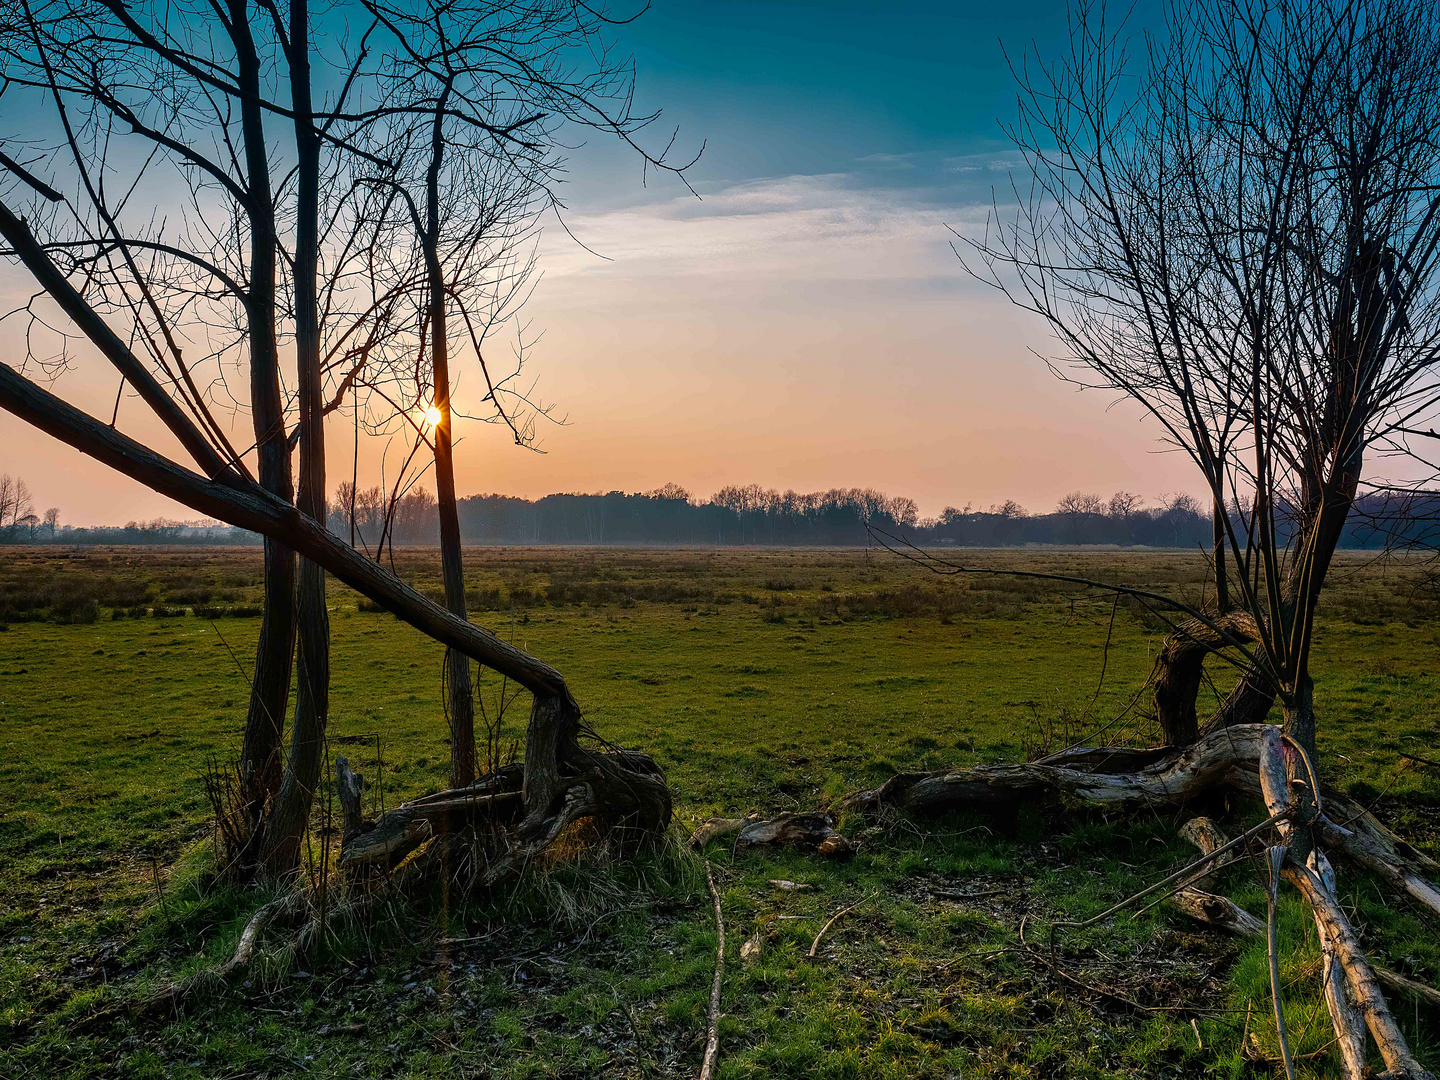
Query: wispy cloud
[(887, 220)]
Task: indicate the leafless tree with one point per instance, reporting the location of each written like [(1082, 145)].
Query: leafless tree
[(1124, 505), (15, 503), (1240, 234), (266, 157), (1080, 503)]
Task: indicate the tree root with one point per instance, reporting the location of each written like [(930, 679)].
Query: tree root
[(174, 992), (510, 817)]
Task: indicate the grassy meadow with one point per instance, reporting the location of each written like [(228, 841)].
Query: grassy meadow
[(762, 680)]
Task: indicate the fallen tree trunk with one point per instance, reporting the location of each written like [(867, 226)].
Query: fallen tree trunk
[(1348, 1023), (1224, 759), (1178, 777), (1364, 987)]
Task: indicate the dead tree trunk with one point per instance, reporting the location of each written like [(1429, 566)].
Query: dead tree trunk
[(1179, 667)]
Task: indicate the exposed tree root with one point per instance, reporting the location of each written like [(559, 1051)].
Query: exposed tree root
[(518, 811), (172, 993)]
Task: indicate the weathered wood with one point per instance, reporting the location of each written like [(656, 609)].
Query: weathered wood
[(1107, 759), (1364, 848), (1172, 780), (1364, 987), (806, 831), (1348, 1023), (1205, 835), (349, 786), (717, 827), (1218, 911), (402, 830), (1403, 984)]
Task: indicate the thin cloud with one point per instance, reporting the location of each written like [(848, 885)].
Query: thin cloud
[(858, 226)]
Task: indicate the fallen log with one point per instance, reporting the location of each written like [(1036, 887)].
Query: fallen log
[(1171, 780), (814, 832), (1218, 911), (607, 791), (1348, 1023), (1403, 984), (1364, 987)]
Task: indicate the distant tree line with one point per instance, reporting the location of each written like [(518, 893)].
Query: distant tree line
[(736, 516), (752, 515)]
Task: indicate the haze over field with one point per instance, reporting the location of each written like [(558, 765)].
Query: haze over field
[(803, 323)]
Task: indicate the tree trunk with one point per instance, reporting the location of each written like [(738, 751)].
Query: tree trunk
[(291, 814), (460, 704), (270, 689), (1179, 667), (1217, 548), (1300, 716)]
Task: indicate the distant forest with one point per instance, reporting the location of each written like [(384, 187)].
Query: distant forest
[(749, 515)]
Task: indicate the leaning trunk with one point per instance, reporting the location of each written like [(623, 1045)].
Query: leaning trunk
[(1179, 669)]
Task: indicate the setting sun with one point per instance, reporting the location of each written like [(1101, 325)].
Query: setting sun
[(432, 415)]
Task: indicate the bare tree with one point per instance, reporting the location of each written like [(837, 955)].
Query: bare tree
[(151, 100), (1240, 233), (1080, 504), (15, 504), (1246, 247)]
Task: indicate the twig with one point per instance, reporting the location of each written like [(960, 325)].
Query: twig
[(1181, 873), (1272, 895), (843, 911), (712, 1040), (949, 894), (1099, 990)]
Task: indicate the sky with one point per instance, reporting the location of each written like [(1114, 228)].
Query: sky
[(799, 321)]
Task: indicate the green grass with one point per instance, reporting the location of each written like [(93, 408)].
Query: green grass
[(761, 681)]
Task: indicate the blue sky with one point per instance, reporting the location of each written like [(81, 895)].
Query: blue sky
[(803, 323)]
